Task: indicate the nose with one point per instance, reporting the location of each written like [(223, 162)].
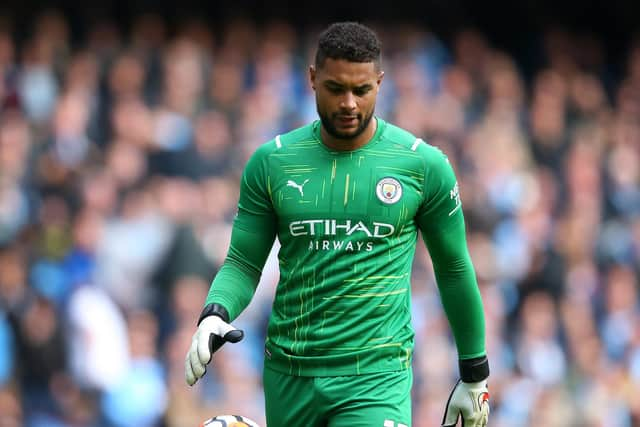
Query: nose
[(348, 101)]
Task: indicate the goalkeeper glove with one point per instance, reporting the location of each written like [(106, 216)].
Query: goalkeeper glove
[(213, 331), (469, 399)]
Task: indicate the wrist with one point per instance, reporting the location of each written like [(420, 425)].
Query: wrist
[(214, 309), (474, 370)]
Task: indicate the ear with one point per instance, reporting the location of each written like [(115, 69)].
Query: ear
[(380, 77), (312, 76)]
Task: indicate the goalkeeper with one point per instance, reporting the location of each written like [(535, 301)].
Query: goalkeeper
[(347, 196)]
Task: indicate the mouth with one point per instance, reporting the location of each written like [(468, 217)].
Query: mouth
[(347, 121)]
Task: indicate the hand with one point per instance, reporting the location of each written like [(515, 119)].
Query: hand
[(212, 333), (469, 401)]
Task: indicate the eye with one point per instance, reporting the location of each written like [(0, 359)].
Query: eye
[(361, 91), (336, 90)]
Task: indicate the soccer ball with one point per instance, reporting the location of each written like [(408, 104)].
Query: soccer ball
[(229, 421)]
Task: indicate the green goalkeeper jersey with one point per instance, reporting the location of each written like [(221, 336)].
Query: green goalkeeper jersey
[(348, 223)]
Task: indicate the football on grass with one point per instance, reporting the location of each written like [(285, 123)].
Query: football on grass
[(229, 421)]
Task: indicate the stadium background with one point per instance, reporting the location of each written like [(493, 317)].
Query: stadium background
[(124, 126)]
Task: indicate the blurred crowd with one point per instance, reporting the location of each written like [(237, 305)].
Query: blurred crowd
[(120, 155)]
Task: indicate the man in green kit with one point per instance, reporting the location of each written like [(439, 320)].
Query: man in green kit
[(347, 196)]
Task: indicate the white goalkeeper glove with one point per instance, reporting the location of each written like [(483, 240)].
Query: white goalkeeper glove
[(470, 401), (213, 331)]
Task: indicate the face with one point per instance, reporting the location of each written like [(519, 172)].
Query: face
[(345, 95)]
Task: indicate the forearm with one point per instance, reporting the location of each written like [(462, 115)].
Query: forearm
[(236, 281), (458, 288), (463, 306)]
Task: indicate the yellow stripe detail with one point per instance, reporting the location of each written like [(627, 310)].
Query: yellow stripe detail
[(370, 295), (346, 190), (376, 278), (381, 338), (364, 347), (333, 170), (298, 169), (410, 171)]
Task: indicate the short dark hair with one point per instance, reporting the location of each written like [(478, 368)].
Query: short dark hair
[(350, 41)]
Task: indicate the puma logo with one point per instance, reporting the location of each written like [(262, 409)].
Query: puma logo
[(291, 183)]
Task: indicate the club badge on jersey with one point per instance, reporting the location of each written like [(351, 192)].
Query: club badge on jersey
[(389, 190)]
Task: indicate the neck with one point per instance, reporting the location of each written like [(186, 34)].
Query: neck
[(339, 144)]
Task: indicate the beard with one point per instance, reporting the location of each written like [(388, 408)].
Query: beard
[(327, 122)]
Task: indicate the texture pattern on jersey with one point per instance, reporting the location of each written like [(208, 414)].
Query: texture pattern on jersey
[(348, 224)]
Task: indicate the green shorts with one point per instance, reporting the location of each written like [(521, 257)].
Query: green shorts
[(367, 400)]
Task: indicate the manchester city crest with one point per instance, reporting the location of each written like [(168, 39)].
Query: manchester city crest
[(389, 190)]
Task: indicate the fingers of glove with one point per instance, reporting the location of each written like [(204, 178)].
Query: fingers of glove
[(476, 418), (189, 376), (197, 364), (484, 420), (202, 349), (193, 369), (484, 417), (233, 336), (479, 419)]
